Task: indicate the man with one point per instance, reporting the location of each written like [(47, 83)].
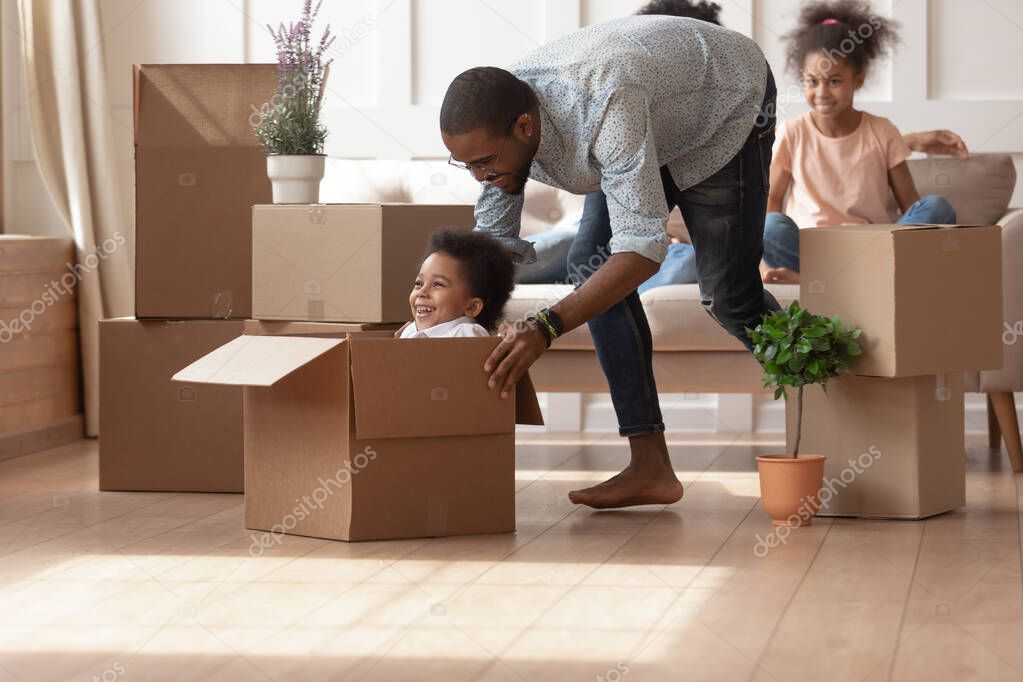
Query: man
[(656, 112)]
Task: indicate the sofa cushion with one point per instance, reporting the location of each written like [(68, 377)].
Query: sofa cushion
[(979, 187), (677, 320)]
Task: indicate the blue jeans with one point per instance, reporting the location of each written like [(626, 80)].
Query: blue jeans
[(551, 258), (725, 216), (679, 267), (781, 234)]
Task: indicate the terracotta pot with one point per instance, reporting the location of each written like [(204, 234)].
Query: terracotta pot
[(295, 179), (790, 487)]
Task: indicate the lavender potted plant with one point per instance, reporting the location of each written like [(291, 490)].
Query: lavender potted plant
[(289, 125)]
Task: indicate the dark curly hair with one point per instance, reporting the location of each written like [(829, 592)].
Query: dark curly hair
[(843, 29), (704, 11), (486, 265)]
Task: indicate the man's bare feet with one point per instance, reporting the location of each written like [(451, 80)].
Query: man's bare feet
[(780, 276), (649, 479), (628, 489)]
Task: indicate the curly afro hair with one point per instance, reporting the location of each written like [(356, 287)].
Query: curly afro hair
[(843, 29), (486, 265), (702, 10)]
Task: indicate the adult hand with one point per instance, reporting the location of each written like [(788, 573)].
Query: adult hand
[(937, 142), (521, 344)]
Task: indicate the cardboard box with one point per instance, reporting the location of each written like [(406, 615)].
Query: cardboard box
[(894, 447), (198, 172), (160, 435), (326, 329), (928, 298), (370, 437), (342, 262)]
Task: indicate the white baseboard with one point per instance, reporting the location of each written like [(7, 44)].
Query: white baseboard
[(705, 413)]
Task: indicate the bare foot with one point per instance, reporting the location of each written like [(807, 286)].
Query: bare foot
[(630, 488), (780, 276)]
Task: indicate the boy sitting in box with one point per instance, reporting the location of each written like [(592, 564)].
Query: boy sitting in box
[(461, 288)]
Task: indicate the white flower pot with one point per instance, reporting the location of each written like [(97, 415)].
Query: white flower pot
[(295, 179)]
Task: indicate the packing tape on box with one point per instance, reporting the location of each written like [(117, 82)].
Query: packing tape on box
[(223, 303), (949, 239), (436, 515), (314, 309)]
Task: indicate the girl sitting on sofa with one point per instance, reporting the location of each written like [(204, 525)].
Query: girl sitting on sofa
[(462, 287), (838, 161)]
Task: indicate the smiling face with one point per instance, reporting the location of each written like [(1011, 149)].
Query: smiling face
[(829, 84), (441, 292), (508, 155)]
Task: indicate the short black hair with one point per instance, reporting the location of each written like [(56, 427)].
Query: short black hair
[(487, 266), (846, 29), (704, 11), (484, 97)]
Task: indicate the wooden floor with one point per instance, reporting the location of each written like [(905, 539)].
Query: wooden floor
[(162, 586)]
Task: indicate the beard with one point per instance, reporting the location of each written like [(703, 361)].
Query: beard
[(521, 177)]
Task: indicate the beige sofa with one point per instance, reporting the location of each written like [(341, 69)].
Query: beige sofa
[(691, 352)]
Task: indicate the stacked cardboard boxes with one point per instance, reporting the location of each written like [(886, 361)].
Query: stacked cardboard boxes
[(929, 301), (313, 388), (198, 171)]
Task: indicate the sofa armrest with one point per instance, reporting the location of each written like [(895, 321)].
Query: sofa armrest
[(1010, 376)]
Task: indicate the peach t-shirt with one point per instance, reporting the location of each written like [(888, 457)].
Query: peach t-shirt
[(839, 180)]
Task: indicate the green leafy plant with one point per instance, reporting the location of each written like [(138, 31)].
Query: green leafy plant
[(796, 348)]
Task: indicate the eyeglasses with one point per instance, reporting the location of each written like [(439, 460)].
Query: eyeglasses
[(488, 173)]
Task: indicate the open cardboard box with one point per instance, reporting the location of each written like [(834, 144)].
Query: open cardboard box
[(368, 437), (928, 297)]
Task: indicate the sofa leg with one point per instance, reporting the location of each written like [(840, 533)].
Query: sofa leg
[(1004, 405), (994, 434)]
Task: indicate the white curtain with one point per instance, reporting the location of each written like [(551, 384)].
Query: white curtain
[(71, 127)]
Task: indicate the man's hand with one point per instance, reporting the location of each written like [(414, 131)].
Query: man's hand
[(521, 344), (937, 142)]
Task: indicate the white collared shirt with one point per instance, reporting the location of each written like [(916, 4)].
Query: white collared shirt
[(460, 326)]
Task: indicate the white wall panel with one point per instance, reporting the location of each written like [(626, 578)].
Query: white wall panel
[(975, 49), (451, 36)]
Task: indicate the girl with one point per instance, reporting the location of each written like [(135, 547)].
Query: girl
[(839, 162)]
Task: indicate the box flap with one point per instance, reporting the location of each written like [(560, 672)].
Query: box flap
[(527, 408), (255, 360), (405, 388), (200, 105)]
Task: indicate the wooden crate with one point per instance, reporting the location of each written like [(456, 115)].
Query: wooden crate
[(40, 380)]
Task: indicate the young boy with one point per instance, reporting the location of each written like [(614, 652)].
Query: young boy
[(462, 287)]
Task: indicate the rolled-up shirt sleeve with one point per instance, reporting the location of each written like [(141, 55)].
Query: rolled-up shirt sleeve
[(500, 215), (625, 150)]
